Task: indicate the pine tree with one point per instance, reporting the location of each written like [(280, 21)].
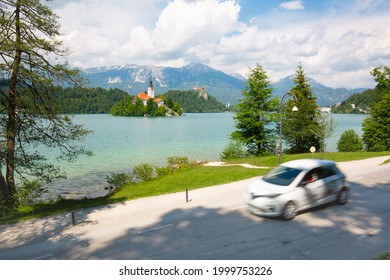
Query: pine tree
[(376, 129), (255, 118), (301, 129), (32, 61)]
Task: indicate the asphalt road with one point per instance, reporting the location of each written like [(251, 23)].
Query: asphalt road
[(214, 224)]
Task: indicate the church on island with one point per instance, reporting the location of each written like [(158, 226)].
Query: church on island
[(149, 94), (147, 105)]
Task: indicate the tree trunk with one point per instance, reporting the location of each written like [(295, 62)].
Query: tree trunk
[(11, 122)]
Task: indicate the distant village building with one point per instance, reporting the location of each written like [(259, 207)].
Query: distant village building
[(149, 94), (326, 109)]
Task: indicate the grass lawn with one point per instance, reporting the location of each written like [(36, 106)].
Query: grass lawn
[(193, 177)]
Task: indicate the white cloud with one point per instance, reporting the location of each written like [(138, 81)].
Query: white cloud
[(292, 5), (188, 23), (332, 48)]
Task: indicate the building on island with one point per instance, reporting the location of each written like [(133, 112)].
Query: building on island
[(149, 94), (202, 92)]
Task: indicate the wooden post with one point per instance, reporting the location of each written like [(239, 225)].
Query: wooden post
[(73, 218)]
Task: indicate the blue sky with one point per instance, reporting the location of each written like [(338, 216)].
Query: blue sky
[(338, 42)]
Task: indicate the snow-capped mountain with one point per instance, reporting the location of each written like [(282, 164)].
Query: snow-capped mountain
[(134, 79), (226, 88)]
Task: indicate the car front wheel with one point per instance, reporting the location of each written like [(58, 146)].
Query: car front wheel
[(289, 211), (342, 198)]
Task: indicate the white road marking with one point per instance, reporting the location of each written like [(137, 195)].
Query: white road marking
[(152, 229), (357, 178)]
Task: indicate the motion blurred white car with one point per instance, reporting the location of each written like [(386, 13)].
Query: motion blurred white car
[(295, 186)]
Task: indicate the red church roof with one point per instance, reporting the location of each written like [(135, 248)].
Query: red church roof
[(143, 96)]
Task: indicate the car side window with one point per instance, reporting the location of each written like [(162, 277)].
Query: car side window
[(311, 176), (325, 172)]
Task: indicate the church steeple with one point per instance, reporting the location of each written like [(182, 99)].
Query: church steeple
[(150, 88)]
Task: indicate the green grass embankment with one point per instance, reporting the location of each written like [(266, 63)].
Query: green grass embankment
[(192, 177)]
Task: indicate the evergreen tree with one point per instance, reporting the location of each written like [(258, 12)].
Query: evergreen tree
[(301, 129), (255, 116), (31, 60), (376, 129)]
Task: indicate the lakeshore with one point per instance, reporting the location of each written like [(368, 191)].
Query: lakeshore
[(120, 143)]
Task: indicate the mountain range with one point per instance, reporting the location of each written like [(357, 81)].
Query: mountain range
[(225, 87)]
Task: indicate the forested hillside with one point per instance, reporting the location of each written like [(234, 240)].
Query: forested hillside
[(359, 102), (190, 102), (87, 100)]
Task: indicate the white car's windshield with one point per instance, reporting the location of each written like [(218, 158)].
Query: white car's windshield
[(282, 175)]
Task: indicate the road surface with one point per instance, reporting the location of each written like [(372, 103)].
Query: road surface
[(214, 224)]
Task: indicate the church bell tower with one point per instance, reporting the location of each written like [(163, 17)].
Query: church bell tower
[(151, 88)]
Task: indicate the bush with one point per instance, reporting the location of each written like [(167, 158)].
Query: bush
[(166, 170), (177, 161), (233, 150), (144, 172), (349, 142), (30, 192), (118, 179)]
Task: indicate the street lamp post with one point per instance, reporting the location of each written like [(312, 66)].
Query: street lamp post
[(294, 109)]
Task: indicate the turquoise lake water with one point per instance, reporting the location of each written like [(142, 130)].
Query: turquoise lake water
[(120, 143)]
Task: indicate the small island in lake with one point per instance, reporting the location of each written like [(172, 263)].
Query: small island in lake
[(145, 104), (171, 103)]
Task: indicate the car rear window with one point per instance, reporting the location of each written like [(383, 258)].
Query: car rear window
[(282, 175)]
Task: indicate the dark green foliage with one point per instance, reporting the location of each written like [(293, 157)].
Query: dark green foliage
[(143, 172), (177, 161), (376, 129), (349, 141), (165, 170), (368, 99), (301, 129), (255, 116), (118, 179), (32, 59), (363, 102), (381, 75), (29, 192), (190, 101), (86, 100), (135, 107)]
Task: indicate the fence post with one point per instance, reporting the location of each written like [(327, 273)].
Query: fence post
[(73, 218)]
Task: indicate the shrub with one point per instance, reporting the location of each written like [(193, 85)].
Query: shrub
[(118, 179), (30, 192), (233, 150), (144, 172), (177, 161), (161, 171), (349, 141)]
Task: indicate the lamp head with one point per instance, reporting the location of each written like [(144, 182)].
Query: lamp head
[(295, 109)]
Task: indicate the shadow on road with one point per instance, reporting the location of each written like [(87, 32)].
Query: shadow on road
[(357, 230)]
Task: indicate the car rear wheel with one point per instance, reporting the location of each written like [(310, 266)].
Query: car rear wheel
[(342, 198), (289, 211)]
